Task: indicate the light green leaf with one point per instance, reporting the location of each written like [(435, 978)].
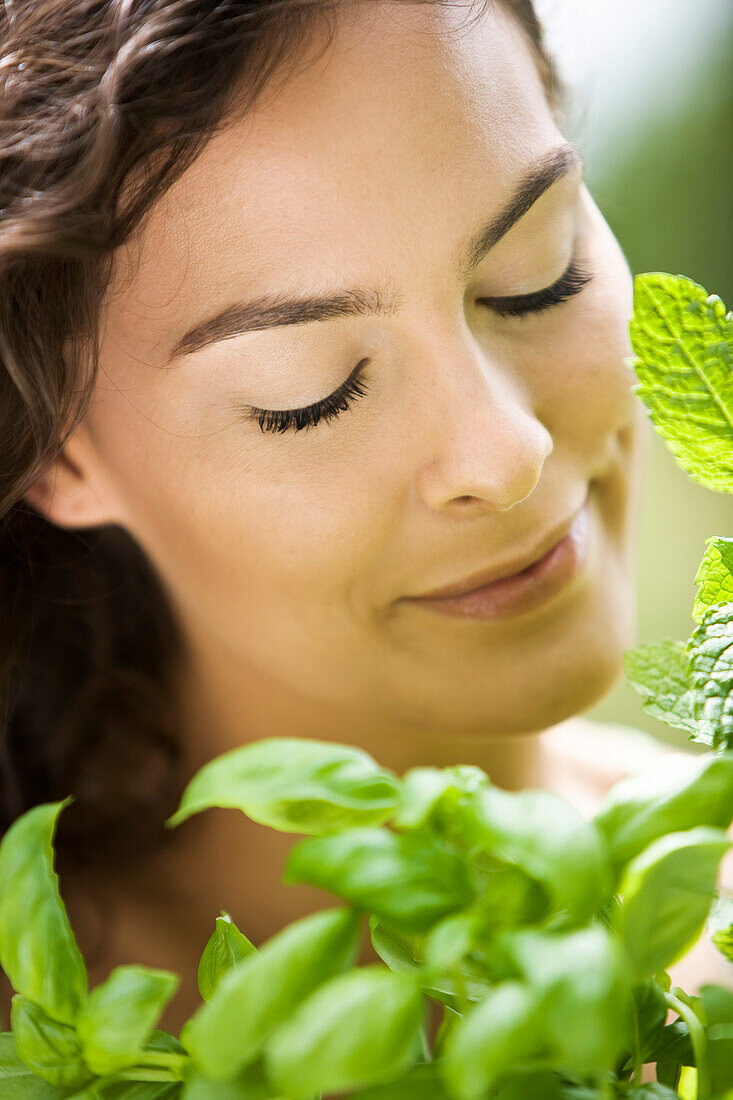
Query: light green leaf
[(717, 1003), (714, 576), (492, 1039), (719, 926), (358, 1029), (666, 893), (17, 1081), (577, 976), (38, 951), (680, 791), (120, 1013), (710, 674), (658, 671), (251, 1085), (295, 785), (683, 342), (421, 1082), (410, 879), (228, 1032), (225, 948), (119, 1089), (545, 835), (51, 1049), (404, 952), (426, 791)]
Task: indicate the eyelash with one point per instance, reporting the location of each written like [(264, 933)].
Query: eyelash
[(570, 283)]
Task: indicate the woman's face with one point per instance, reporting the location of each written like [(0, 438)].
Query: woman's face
[(369, 174)]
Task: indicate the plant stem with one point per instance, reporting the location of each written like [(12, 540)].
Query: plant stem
[(697, 1037)]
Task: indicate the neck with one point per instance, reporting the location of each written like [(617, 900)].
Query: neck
[(226, 705)]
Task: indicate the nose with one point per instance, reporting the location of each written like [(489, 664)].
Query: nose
[(486, 448)]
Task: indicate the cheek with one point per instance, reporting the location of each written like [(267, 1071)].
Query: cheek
[(588, 383)]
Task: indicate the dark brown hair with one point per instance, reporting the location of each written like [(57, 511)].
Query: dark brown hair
[(104, 104)]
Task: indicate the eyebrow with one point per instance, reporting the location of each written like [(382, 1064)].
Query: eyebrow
[(276, 311)]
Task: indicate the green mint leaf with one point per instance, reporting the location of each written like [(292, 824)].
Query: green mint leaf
[(710, 673), (549, 839), (38, 951), (678, 793), (119, 1014), (225, 948), (51, 1049), (424, 792), (410, 879), (228, 1032), (666, 893), (683, 342), (658, 671), (295, 785), (358, 1029), (17, 1081), (719, 926), (576, 977), (714, 576), (491, 1040)]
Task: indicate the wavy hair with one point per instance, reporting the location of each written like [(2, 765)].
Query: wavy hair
[(104, 104)]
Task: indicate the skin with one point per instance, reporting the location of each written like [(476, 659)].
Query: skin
[(286, 556)]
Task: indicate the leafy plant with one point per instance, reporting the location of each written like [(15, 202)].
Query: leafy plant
[(541, 940)]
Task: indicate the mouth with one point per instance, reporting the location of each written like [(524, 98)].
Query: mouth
[(521, 584)]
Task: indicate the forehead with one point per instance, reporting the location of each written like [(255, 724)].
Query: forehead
[(414, 116)]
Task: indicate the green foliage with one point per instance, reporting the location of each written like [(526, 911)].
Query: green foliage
[(541, 938), (295, 785), (226, 947)]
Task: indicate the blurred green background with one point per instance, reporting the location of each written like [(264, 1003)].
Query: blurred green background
[(650, 105)]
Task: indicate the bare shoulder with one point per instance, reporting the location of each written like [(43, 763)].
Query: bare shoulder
[(603, 752)]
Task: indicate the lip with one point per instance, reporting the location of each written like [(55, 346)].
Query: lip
[(500, 573), (519, 587)]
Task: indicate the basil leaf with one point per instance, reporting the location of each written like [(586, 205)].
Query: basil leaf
[(17, 1081), (129, 1090), (576, 977), (683, 342), (491, 1040), (421, 1082), (225, 948), (549, 838), (681, 791), (357, 1029), (710, 672), (652, 1090), (119, 1014), (294, 785), (251, 1085), (229, 1031), (719, 926), (38, 951), (410, 879), (718, 1006), (658, 671), (424, 792), (51, 1049), (666, 894)]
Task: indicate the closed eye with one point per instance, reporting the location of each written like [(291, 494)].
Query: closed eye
[(570, 283)]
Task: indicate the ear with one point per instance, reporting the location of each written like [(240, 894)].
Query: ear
[(72, 492)]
